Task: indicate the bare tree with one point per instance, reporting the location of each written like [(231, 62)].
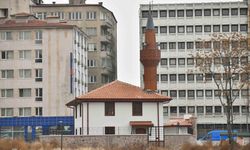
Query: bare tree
[(224, 58)]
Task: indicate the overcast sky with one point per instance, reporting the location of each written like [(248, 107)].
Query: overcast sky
[(127, 15)]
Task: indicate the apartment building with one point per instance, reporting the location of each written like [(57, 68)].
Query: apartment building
[(43, 66), (177, 27), (99, 24)]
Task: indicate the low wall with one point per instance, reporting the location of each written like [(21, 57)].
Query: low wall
[(172, 142)]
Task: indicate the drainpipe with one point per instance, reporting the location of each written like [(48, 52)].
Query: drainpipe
[(87, 118), (158, 122)]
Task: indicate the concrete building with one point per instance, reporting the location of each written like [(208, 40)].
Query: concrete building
[(177, 27), (100, 25), (43, 66)]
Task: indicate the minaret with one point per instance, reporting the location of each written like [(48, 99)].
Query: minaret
[(150, 56)]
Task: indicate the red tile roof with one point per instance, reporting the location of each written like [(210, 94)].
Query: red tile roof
[(121, 92), (141, 123), (181, 122)]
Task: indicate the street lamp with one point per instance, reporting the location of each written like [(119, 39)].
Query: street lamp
[(61, 130)]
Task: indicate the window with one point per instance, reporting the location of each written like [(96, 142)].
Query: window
[(234, 28), (172, 45), (137, 108), (39, 94), (154, 13), (164, 77), (217, 109), (234, 12), (91, 46), (208, 77), (217, 93), (236, 109), (216, 12), (38, 56), (7, 55), (181, 29), (172, 77), (172, 29), (39, 37), (91, 31), (171, 13), (7, 74), (173, 110), (172, 61), (181, 45), (25, 54), (182, 93), (190, 29), (92, 79), (191, 94), (199, 93), (164, 92), (181, 61), (6, 35), (190, 45), (24, 35), (198, 12), (39, 75), (216, 28), (109, 130), (91, 15), (163, 13), (182, 77), (180, 13), (144, 14), (209, 110), (91, 63), (244, 60), (189, 13), (76, 16), (198, 29), (6, 93), (209, 93), (243, 11), (163, 29), (25, 111), (24, 92), (109, 108), (163, 45), (165, 111), (24, 73), (244, 93), (39, 111), (41, 15), (200, 109), (207, 28), (190, 61), (190, 78), (244, 109), (199, 77), (243, 27), (156, 29), (207, 12), (225, 28), (191, 109), (182, 109), (164, 61), (6, 112), (225, 12), (173, 93)]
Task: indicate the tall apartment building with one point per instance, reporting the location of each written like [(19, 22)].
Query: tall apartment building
[(177, 27), (43, 66), (100, 25)]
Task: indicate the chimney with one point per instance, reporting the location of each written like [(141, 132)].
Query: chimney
[(100, 3), (150, 56), (54, 3)]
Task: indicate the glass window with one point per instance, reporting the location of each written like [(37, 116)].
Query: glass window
[(190, 45), (243, 11), (165, 111), (244, 93), (199, 77), (217, 93), (216, 28), (181, 45), (6, 93), (163, 45), (191, 109), (7, 74), (171, 13), (217, 109), (173, 93), (190, 29), (163, 29), (109, 130), (24, 35), (191, 94), (137, 108), (173, 109), (91, 15), (182, 93), (198, 12), (225, 12), (172, 61), (190, 77), (200, 109), (145, 14), (198, 29), (236, 109), (225, 28), (234, 12), (172, 29), (172, 45), (164, 92), (189, 13), (208, 77), (25, 54), (234, 28), (199, 93), (216, 12), (39, 75), (6, 112), (39, 111), (39, 37), (39, 94), (182, 77), (92, 79), (243, 27), (190, 61), (109, 108), (91, 46), (164, 61), (164, 77), (172, 77), (38, 56), (7, 55), (25, 73), (182, 109), (181, 29), (24, 92), (207, 28), (209, 110), (25, 111), (163, 13), (6, 35), (181, 61), (209, 93), (207, 12), (180, 13), (91, 31)]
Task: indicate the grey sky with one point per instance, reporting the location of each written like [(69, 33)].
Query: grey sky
[(127, 15)]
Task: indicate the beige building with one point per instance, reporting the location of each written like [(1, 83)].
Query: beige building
[(99, 24), (42, 65)]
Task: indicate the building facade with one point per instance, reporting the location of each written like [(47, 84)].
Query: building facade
[(177, 27), (100, 25), (43, 66)]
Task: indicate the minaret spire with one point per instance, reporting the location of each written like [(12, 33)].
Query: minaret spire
[(150, 55)]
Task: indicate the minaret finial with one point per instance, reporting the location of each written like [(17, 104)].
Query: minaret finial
[(150, 23)]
